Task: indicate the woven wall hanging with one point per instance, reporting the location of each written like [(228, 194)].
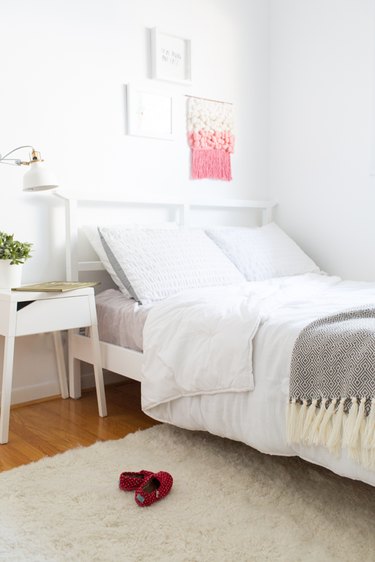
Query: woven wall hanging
[(210, 137)]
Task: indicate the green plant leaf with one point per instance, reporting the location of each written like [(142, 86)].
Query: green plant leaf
[(13, 250)]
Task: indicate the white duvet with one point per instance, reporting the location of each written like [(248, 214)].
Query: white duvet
[(218, 359)]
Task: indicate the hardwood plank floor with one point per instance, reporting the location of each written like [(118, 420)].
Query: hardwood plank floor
[(50, 427)]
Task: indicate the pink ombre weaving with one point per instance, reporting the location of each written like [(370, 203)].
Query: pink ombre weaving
[(210, 137)]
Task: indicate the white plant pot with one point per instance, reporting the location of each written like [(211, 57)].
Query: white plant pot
[(10, 275)]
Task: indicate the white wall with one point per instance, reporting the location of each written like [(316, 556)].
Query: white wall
[(63, 69), (321, 102)]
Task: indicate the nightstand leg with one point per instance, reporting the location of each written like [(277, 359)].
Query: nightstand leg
[(74, 369), (6, 391), (60, 362), (98, 371)]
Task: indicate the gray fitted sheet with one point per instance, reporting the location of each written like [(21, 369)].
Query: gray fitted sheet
[(121, 319)]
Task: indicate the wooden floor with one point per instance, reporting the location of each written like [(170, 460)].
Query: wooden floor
[(49, 427)]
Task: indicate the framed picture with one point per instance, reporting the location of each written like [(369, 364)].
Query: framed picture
[(170, 57), (149, 113)]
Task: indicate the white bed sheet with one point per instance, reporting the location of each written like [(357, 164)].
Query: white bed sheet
[(258, 418), (121, 319)]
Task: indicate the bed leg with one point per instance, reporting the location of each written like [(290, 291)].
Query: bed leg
[(74, 369), (98, 371)]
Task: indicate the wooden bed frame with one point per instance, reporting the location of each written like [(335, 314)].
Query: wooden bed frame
[(114, 358)]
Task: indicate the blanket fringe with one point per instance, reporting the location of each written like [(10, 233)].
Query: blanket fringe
[(293, 412), (335, 438), (328, 424), (369, 435), (310, 417), (301, 418), (354, 440), (314, 436), (350, 423)]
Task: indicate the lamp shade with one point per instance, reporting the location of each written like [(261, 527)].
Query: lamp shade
[(38, 178)]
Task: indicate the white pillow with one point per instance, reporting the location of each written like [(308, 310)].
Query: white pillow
[(152, 264), (262, 253), (92, 234)]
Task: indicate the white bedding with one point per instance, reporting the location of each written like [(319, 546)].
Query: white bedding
[(276, 310), (120, 319), (200, 342)]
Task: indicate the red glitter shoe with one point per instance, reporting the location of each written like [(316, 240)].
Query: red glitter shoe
[(155, 487), (130, 481)]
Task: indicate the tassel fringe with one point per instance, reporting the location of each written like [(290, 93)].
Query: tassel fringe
[(213, 164), (326, 424), (369, 435), (334, 440), (314, 436), (350, 422), (310, 417), (330, 425)]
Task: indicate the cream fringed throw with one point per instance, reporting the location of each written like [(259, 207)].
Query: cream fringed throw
[(332, 385)]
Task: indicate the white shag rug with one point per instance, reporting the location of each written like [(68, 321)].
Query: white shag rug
[(228, 503)]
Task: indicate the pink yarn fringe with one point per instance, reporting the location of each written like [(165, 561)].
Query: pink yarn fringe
[(213, 164)]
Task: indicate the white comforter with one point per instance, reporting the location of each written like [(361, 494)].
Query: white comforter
[(200, 343), (218, 359)]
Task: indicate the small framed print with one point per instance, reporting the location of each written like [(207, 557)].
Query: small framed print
[(170, 57), (149, 113)]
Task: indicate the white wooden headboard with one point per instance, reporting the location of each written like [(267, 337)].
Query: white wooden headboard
[(179, 211)]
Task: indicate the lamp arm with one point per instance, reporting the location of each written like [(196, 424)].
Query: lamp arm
[(15, 161)]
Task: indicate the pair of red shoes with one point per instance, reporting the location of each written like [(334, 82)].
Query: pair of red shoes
[(149, 487)]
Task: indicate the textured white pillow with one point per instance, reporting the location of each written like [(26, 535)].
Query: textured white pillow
[(152, 264), (92, 234), (262, 253)]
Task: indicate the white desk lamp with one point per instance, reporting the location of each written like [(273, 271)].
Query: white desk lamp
[(38, 177)]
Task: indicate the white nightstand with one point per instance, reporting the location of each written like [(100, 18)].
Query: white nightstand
[(26, 313)]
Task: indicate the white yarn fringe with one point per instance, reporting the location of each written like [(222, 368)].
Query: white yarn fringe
[(329, 426)]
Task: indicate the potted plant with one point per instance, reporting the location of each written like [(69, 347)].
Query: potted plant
[(12, 257)]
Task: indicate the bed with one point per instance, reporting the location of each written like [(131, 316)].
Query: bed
[(243, 394)]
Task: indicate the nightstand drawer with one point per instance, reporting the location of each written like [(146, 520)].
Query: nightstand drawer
[(52, 315)]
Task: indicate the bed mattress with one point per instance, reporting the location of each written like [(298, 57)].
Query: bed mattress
[(121, 319)]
